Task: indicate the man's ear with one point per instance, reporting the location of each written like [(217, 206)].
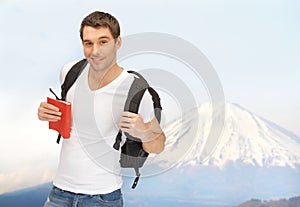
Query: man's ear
[(119, 42)]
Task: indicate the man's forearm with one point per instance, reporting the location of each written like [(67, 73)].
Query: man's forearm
[(155, 146), (155, 139)]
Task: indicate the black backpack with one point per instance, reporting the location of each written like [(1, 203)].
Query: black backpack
[(132, 153)]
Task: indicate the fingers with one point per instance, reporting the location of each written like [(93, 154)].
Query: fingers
[(129, 120), (133, 124), (129, 114), (48, 112), (126, 122), (49, 106)]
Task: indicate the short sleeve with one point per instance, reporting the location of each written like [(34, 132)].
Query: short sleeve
[(65, 69), (146, 107)]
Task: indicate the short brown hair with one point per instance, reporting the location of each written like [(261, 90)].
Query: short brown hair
[(101, 19)]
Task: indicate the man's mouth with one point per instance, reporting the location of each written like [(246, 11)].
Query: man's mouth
[(97, 59)]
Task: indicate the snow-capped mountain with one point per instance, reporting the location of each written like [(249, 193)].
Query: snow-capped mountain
[(247, 142), (246, 138)]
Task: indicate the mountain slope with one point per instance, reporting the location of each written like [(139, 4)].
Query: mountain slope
[(249, 139), (33, 197), (246, 138), (292, 202), (254, 158)]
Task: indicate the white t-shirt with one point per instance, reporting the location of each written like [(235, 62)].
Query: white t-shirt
[(88, 162)]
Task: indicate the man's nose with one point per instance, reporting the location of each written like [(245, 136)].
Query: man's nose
[(96, 49)]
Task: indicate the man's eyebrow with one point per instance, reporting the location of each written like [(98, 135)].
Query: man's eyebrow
[(102, 37)]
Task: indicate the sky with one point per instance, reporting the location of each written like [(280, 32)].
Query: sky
[(253, 46)]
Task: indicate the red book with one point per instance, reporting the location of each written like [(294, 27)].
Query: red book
[(63, 126)]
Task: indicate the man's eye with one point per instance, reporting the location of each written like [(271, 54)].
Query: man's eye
[(88, 44), (103, 42)]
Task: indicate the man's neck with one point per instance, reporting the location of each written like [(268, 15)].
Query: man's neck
[(99, 79)]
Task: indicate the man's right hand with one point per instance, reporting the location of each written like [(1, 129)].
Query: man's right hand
[(48, 112)]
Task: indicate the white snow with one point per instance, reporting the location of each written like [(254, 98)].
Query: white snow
[(246, 138)]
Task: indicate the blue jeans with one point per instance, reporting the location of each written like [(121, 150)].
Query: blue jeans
[(61, 198)]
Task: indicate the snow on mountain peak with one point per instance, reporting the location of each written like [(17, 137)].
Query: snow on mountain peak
[(246, 138)]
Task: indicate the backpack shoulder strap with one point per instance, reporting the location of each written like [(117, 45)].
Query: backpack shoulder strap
[(132, 152), (134, 97), (70, 79), (136, 93), (139, 86)]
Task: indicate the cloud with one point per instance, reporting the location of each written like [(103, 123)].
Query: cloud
[(29, 154), (26, 177)]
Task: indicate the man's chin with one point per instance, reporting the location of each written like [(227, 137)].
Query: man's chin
[(97, 67)]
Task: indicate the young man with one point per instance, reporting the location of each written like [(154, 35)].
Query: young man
[(89, 172)]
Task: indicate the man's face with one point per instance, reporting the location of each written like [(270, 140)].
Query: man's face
[(100, 48)]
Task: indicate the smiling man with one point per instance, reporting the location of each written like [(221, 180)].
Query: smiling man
[(93, 178)]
